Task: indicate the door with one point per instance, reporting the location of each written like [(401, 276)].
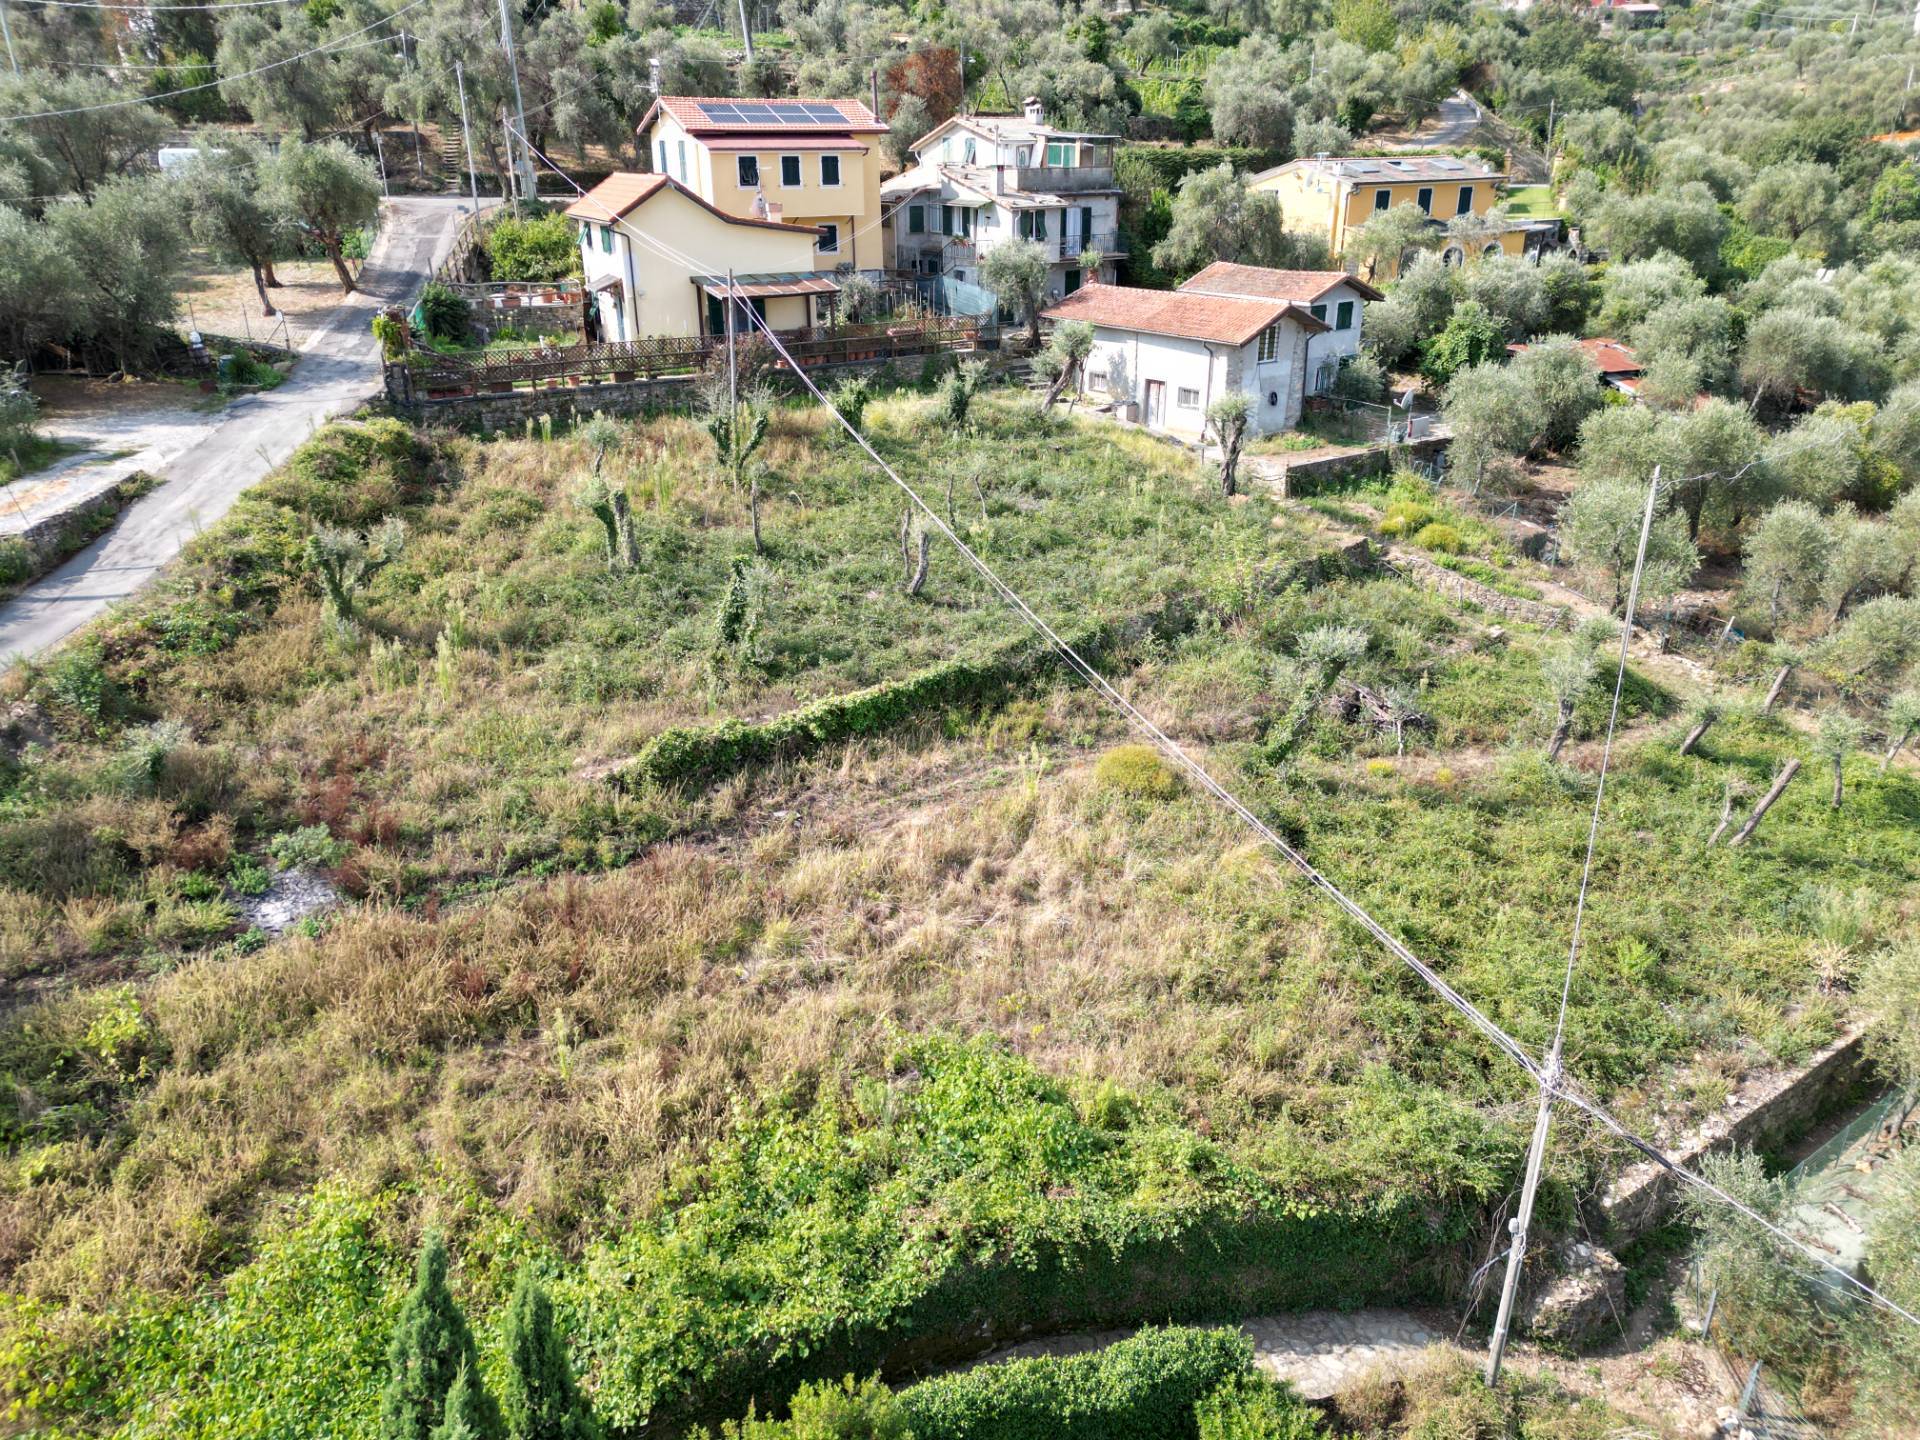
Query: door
[(1156, 403)]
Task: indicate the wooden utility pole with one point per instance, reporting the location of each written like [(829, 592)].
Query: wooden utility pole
[(733, 370), (746, 30), (527, 185)]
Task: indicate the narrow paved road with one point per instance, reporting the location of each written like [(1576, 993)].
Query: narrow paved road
[(338, 370)]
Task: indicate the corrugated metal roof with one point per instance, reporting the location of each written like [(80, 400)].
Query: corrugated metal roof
[(784, 282)]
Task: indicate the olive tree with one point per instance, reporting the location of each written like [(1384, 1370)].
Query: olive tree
[(1838, 737), (1903, 718), (345, 560), (1377, 248), (1016, 272), (1063, 359), (1247, 91), (1601, 531), (1228, 417), (1786, 556), (332, 191), (1217, 216), (232, 211)]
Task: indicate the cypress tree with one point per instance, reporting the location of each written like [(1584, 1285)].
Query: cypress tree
[(465, 1417), (431, 1345), (539, 1396)]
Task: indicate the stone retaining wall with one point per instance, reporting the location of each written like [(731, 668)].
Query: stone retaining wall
[(54, 536), (1421, 570), (1767, 1109), (1301, 478)]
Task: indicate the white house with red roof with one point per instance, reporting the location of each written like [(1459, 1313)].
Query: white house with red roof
[(1166, 355), (814, 163)]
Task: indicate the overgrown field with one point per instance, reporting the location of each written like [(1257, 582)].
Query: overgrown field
[(839, 1051)]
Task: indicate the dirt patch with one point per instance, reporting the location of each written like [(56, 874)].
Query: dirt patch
[(218, 300)]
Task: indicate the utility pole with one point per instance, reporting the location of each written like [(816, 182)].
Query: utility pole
[(514, 177), (7, 31), (466, 134), (1550, 1068), (733, 373), (1552, 101), (527, 186), (746, 30), (380, 152)]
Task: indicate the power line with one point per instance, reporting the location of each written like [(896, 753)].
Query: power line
[(1553, 1086), (216, 5), (329, 46)]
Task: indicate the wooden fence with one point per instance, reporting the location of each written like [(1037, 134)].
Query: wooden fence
[(426, 375)]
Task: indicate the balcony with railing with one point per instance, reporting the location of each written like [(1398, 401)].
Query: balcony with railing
[(1071, 245), (1062, 179)]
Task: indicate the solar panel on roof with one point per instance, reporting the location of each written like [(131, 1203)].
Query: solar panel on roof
[(754, 112), (790, 112), (720, 114), (827, 114)]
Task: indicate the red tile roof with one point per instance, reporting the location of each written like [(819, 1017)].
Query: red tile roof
[(1223, 277), (1226, 319), (623, 192), (855, 117), (1613, 358), (783, 142)]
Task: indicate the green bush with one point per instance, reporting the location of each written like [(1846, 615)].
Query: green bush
[(538, 247), (850, 1410), (16, 561), (1138, 771), (1252, 1407), (1440, 537), (310, 847), (1407, 517), (1143, 1388), (443, 314)]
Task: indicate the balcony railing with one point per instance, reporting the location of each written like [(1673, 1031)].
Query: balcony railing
[(1062, 179), (1070, 245)]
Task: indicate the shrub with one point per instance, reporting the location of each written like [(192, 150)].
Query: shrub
[(1138, 771), (310, 847), (1443, 538), (1143, 1388), (1252, 1407), (850, 1410), (1407, 517), (538, 247), (443, 314), (16, 561)]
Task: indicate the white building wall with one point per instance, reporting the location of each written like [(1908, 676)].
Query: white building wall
[(1336, 345), (1206, 371)]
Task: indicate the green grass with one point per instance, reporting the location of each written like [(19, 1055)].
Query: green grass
[(776, 1071), (1530, 202), (36, 452)]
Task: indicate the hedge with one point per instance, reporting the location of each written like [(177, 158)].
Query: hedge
[(1139, 170), (1143, 1388), (691, 752)]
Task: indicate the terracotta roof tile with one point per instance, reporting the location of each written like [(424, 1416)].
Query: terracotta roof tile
[(1223, 277), (624, 191), (1225, 319)]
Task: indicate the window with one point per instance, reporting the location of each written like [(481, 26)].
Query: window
[(1086, 226), (749, 168), (663, 157), (1187, 399), (1466, 200), (1343, 317), (586, 236), (1072, 282), (1033, 224), (916, 219), (946, 220), (968, 152), (829, 240), (1023, 156), (1269, 344), (1059, 154), (790, 171), (829, 169), (1319, 312), (606, 238), (1382, 199), (682, 145), (1425, 199), (1097, 379), (966, 221)]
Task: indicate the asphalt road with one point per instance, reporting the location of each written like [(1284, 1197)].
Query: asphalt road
[(338, 370)]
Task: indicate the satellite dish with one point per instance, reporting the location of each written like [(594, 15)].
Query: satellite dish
[(1406, 400)]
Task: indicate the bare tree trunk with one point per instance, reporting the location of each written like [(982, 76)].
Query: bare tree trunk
[(1725, 631), (1780, 783), (914, 565), (1893, 750), (339, 263), (753, 506), (980, 493), (1562, 727), (1230, 461), (260, 285), (274, 282), (1839, 778), (1726, 818), (1774, 693), (1693, 735)]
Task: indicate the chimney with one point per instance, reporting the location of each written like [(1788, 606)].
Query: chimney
[(653, 74), (1036, 113), (999, 179)]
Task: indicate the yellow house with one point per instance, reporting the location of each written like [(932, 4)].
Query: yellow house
[(1329, 197), (656, 258), (813, 163)]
